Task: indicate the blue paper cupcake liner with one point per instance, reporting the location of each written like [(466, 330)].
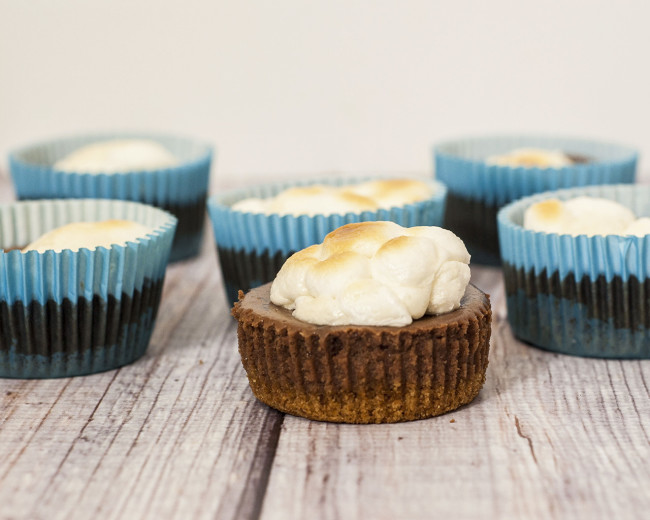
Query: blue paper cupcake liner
[(580, 295), (477, 189), (253, 247), (181, 190), (78, 312)]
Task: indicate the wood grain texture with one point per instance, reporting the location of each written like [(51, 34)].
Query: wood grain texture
[(178, 434)]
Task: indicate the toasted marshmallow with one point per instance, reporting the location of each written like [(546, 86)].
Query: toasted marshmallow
[(314, 200), (117, 156), (328, 200), (531, 158), (640, 227), (579, 216), (374, 273), (550, 216), (392, 192), (89, 235)]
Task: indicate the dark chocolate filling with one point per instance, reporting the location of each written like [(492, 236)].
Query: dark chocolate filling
[(74, 327), (624, 302), (475, 222), (190, 217), (578, 159), (244, 270)]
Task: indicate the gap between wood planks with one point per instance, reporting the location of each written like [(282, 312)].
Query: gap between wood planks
[(252, 499)]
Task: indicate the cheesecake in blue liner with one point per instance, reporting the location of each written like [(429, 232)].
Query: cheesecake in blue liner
[(171, 173), (258, 228), (485, 173), (580, 294), (68, 312)]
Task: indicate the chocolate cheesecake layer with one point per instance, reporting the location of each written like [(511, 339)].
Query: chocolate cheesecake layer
[(76, 337), (578, 159), (189, 229), (618, 301), (475, 222), (364, 374), (242, 270), (580, 316)]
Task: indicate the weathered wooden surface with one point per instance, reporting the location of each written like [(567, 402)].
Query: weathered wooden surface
[(179, 435)]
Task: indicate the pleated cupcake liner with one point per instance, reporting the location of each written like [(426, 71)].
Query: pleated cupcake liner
[(78, 312), (181, 190), (461, 166), (252, 247), (580, 295), (356, 375), (475, 185)]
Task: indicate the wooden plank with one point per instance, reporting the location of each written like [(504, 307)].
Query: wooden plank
[(550, 436)]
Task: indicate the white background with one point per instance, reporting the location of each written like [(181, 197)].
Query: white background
[(297, 87)]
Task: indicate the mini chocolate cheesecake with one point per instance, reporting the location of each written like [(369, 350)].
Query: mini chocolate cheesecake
[(579, 315), (83, 295), (364, 374), (575, 271)]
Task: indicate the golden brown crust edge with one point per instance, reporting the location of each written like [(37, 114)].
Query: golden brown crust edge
[(359, 374)]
